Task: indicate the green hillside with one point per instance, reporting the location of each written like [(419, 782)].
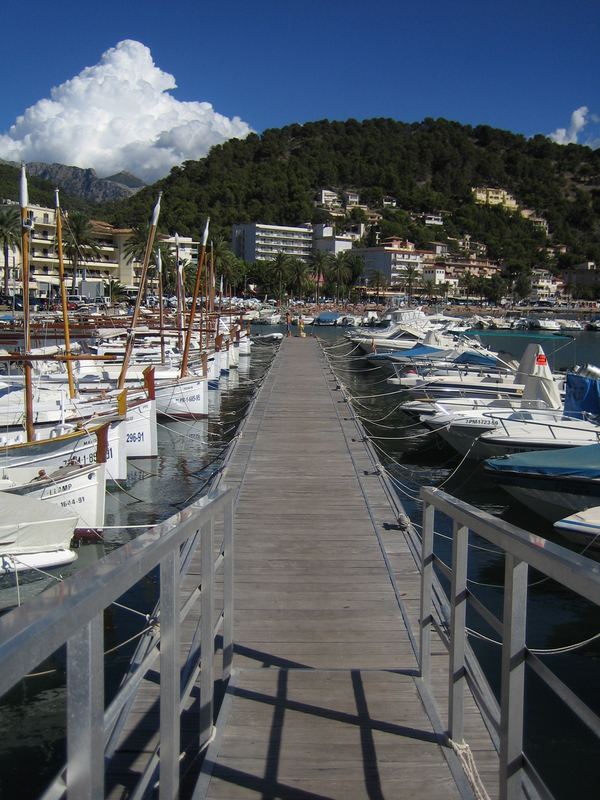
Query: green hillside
[(426, 166)]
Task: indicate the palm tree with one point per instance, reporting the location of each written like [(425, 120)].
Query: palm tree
[(279, 269), (445, 287), (377, 280), (116, 291), (410, 278), (339, 272), (468, 281), (356, 265), (79, 242), (299, 276), (135, 250), (10, 236), (428, 288), (227, 264), (319, 262), (135, 247)]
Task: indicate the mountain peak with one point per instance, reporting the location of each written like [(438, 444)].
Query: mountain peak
[(85, 183)]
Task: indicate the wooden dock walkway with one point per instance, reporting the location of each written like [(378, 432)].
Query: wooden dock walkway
[(325, 699)]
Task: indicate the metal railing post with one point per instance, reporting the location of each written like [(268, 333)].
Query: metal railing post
[(228, 552), (426, 587), (207, 635), (170, 690), (458, 633), (85, 711), (513, 678)]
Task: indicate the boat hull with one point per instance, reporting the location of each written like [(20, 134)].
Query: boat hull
[(183, 399), (80, 490), (141, 431), (552, 498)]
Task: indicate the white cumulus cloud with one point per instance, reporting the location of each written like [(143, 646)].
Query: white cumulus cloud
[(119, 115), (570, 135)]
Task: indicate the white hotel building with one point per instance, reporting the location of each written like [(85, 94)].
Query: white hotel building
[(258, 242), (111, 262)]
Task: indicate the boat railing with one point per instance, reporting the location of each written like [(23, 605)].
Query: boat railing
[(446, 612), (71, 614), (552, 427)]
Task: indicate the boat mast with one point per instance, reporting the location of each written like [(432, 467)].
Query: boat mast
[(211, 294), (26, 225), (138, 302), (188, 335), (161, 318), (179, 292), (63, 295)]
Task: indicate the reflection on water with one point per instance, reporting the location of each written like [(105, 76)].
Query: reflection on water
[(32, 716)]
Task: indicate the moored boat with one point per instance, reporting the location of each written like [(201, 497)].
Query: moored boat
[(553, 484), (34, 535)]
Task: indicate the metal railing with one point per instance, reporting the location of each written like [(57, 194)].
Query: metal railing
[(72, 614), (447, 614)]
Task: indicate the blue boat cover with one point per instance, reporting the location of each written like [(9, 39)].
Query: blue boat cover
[(572, 462), (478, 359), (10, 389), (328, 317), (581, 395), (418, 351)]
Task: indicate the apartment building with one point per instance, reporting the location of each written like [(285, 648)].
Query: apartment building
[(329, 199), (545, 285), (435, 273), (395, 259), (469, 246), (109, 263), (492, 196), (539, 222), (351, 198), (96, 271), (256, 241), (326, 240), (477, 267)]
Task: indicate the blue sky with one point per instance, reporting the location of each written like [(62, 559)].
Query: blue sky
[(522, 66)]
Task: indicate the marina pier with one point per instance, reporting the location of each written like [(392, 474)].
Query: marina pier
[(336, 670), (325, 698)]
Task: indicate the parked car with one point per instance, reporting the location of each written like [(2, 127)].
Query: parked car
[(35, 303)]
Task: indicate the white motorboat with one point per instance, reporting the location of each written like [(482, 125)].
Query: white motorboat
[(582, 526), (553, 483), (463, 427), (494, 384), (268, 337), (570, 325), (34, 535), (438, 351), (400, 330), (269, 316), (513, 435), (544, 324)]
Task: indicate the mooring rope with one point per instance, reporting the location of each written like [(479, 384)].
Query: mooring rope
[(467, 760)]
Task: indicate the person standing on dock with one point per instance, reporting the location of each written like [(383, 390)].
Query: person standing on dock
[(288, 323)]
